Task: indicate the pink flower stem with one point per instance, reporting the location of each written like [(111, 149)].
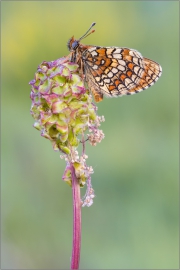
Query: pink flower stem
[(83, 143), (76, 248)]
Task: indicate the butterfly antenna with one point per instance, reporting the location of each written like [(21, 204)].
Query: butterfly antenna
[(87, 33)]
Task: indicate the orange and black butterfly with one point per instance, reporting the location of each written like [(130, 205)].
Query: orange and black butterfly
[(113, 71)]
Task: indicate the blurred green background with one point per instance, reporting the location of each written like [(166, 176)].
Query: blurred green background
[(133, 223)]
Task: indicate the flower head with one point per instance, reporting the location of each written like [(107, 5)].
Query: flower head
[(64, 112)]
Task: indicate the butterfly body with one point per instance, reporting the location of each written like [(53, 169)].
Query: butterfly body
[(113, 71)]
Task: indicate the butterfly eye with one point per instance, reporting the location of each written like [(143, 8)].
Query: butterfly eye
[(75, 44)]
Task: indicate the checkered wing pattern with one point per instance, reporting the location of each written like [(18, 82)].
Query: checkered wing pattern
[(113, 71)]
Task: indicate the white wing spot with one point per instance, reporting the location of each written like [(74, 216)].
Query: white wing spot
[(97, 79), (121, 68), (110, 74), (95, 66), (118, 50), (94, 53), (107, 80), (117, 56), (92, 49), (114, 70), (122, 62)]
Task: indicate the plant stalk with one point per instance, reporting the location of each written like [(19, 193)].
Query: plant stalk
[(76, 248)]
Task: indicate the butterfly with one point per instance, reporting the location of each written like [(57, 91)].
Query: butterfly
[(113, 71)]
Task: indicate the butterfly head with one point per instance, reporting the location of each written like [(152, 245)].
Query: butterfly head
[(73, 44)]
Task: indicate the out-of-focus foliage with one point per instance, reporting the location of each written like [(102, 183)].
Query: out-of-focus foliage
[(133, 223)]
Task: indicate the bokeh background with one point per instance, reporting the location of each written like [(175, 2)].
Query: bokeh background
[(133, 223)]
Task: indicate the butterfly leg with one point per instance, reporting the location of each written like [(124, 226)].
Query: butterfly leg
[(96, 94)]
